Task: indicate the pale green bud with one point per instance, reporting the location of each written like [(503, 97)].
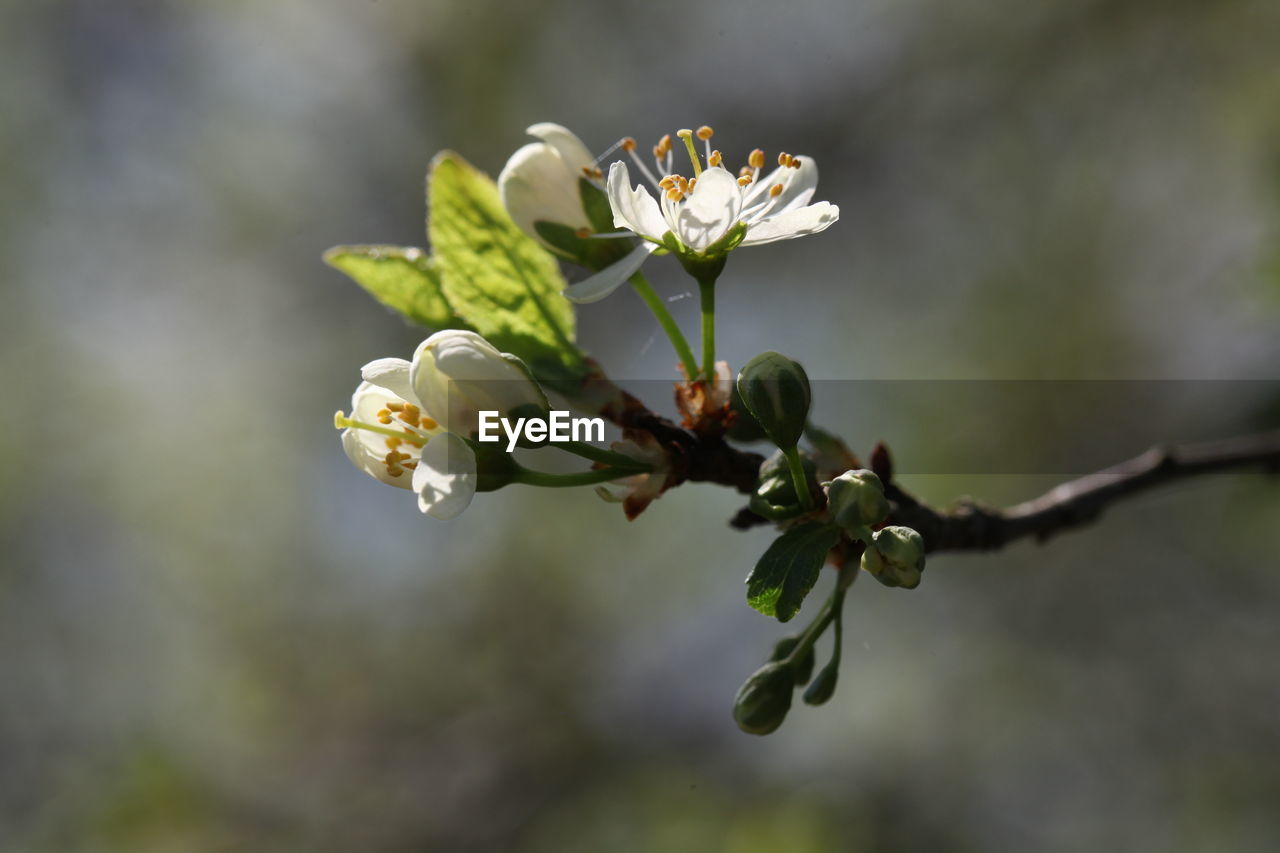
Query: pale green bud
[(895, 557), (763, 701), (824, 686), (856, 500), (775, 390)]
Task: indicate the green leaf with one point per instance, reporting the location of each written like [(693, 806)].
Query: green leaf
[(495, 276), (788, 569), (402, 278)]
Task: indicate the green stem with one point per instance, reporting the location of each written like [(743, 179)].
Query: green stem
[(798, 478), (666, 321), (707, 286), (831, 612), (560, 481), (599, 454)]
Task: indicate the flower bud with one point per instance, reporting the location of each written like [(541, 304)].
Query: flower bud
[(775, 495), (895, 557), (763, 701), (824, 686), (775, 390), (458, 374), (856, 500), (540, 181), (803, 668)]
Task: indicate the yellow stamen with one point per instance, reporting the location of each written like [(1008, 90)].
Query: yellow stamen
[(668, 182), (395, 407), (691, 183), (687, 135), (705, 132), (384, 416), (627, 144), (714, 159), (795, 163), (675, 194), (427, 423), (775, 190), (393, 443), (394, 471), (782, 158), (664, 144), (743, 180), (756, 159), (411, 465)]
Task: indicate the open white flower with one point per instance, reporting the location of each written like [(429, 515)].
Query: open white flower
[(390, 437), (707, 213), (539, 183), (457, 374)]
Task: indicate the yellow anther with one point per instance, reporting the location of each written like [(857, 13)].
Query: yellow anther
[(409, 418), (394, 470), (411, 410), (674, 194), (691, 184), (395, 407), (775, 190), (411, 465), (664, 144), (756, 159), (745, 171), (783, 157), (705, 132), (592, 172), (627, 144), (714, 159), (384, 416), (393, 443), (743, 180), (582, 233), (428, 423), (668, 182), (795, 163)]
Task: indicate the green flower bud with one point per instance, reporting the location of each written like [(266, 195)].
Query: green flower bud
[(775, 495), (744, 427), (895, 557), (824, 686), (856, 500), (803, 667), (495, 467), (775, 390), (763, 701)]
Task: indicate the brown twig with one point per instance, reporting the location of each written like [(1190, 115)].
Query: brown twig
[(1079, 502), (971, 526)]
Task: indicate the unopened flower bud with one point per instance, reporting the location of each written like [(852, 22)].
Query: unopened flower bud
[(775, 496), (803, 668), (824, 686), (775, 390), (763, 701), (895, 557), (856, 499)]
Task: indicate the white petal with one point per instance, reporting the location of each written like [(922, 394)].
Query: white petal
[(565, 143), (445, 478), (793, 223), (457, 374), (633, 208), (537, 185), (391, 374), (710, 211), (610, 278), (796, 183)]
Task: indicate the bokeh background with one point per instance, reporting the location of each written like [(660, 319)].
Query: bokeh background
[(215, 634)]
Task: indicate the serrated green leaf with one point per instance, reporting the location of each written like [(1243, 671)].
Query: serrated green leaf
[(400, 277), (788, 569), (495, 276)]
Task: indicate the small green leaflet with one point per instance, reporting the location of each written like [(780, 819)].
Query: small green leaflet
[(788, 569), (402, 278), (495, 276)]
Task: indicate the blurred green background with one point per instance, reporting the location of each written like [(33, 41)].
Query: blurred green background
[(215, 634)]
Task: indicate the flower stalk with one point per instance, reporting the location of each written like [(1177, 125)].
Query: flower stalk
[(659, 309)]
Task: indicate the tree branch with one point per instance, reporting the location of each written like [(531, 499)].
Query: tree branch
[(1079, 502), (706, 457)]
